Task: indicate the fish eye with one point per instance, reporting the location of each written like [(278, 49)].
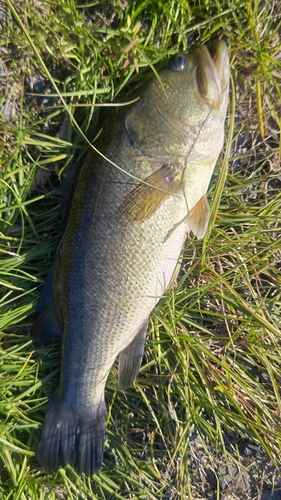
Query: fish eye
[(179, 62)]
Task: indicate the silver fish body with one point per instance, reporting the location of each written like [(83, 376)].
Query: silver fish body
[(123, 241)]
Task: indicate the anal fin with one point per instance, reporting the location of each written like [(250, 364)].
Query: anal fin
[(130, 358)]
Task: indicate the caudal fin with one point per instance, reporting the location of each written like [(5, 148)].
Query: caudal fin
[(72, 435)]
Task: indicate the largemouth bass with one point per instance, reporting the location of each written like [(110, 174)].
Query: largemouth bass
[(124, 235)]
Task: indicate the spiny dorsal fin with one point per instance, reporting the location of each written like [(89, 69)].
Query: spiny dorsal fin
[(142, 202)]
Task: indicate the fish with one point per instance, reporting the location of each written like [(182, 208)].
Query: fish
[(127, 223)]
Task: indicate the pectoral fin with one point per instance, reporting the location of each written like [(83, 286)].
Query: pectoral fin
[(130, 359), (199, 216), (142, 202)]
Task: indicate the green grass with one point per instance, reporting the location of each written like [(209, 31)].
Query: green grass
[(212, 364)]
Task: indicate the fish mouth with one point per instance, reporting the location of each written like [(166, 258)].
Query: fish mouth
[(212, 71)]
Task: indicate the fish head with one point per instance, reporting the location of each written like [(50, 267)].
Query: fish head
[(195, 83), (181, 114)]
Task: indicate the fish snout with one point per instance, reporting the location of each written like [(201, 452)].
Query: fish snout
[(212, 72)]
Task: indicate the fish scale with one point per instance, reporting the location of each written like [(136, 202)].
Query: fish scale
[(123, 241)]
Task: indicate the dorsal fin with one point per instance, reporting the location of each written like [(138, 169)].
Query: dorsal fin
[(46, 325)]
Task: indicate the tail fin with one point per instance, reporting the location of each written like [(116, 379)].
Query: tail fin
[(72, 435)]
